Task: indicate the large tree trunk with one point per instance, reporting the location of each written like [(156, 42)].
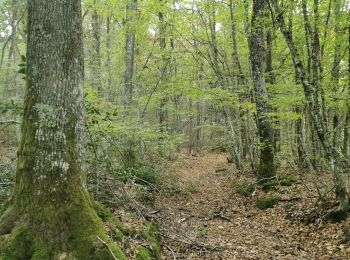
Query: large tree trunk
[(267, 167), (51, 215)]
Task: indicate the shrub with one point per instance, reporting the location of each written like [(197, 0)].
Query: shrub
[(267, 202), (270, 186), (245, 189), (143, 174), (287, 180)]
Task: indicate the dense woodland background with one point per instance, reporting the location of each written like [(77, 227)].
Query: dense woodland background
[(267, 82)]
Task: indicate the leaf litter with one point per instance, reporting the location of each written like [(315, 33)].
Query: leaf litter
[(209, 220)]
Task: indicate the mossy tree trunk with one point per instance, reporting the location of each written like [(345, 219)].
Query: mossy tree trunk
[(50, 214), (267, 167)]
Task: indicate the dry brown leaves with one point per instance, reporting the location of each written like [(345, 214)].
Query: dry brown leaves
[(211, 221)]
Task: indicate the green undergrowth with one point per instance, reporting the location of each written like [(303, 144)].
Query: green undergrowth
[(273, 185), (147, 232), (267, 202), (143, 253), (245, 189), (140, 173)]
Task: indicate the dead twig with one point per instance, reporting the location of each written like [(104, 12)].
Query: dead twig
[(172, 252), (193, 244), (106, 245), (266, 179), (10, 122), (221, 216), (290, 199)]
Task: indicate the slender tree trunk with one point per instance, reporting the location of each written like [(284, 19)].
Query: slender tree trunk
[(108, 47), (299, 141), (51, 215), (238, 67), (347, 121), (335, 73), (96, 79), (130, 41), (163, 113), (267, 167), (10, 84), (269, 59)]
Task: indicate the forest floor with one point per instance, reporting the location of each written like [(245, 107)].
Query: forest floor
[(211, 221), (207, 219)]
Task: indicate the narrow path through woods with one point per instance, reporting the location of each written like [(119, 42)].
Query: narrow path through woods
[(209, 220)]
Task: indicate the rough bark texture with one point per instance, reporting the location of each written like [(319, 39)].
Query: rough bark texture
[(50, 215), (267, 167)]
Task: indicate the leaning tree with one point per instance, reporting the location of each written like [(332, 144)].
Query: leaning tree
[(50, 215)]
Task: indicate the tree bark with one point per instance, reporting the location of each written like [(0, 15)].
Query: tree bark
[(163, 113), (267, 167), (51, 215), (108, 47), (96, 50), (130, 39)]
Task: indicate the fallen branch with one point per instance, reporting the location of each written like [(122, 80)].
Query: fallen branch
[(266, 179), (106, 245), (10, 122), (7, 124), (193, 244), (290, 199), (172, 252), (221, 216)]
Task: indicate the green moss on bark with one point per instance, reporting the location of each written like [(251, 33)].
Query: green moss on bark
[(267, 165), (65, 232)]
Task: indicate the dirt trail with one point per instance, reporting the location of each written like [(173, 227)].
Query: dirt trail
[(210, 221)]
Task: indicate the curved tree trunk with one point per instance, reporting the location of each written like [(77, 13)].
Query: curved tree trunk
[(50, 215)]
